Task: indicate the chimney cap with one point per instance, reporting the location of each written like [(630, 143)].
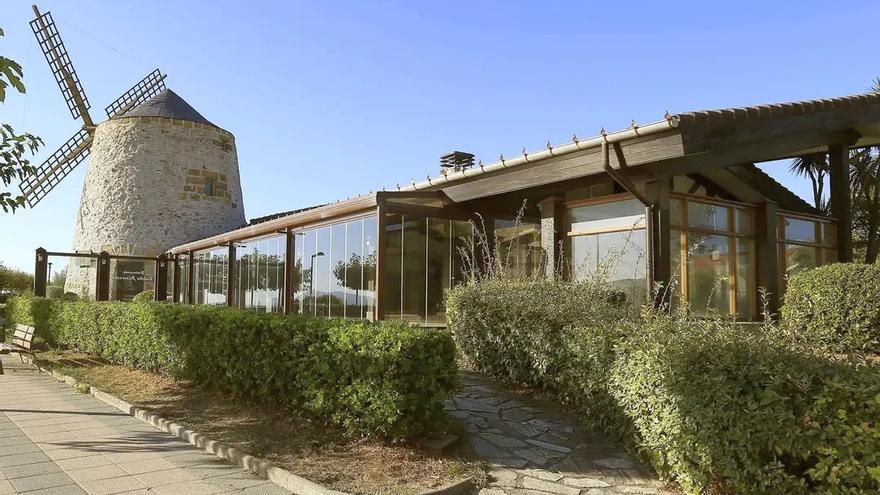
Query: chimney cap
[(456, 160)]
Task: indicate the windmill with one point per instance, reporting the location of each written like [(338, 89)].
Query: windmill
[(160, 174), (52, 171)]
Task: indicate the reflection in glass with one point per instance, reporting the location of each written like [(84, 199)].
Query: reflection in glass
[(414, 267), (708, 273), (706, 216), (320, 264), (518, 244), (367, 296), (336, 289), (618, 257), (259, 269), (744, 222), (438, 268), (797, 229), (800, 258), (626, 214), (745, 280), (210, 274), (392, 283)]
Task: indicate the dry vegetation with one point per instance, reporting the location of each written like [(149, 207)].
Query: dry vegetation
[(301, 445)]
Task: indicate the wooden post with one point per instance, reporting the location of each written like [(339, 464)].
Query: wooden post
[(838, 159), (103, 288), (381, 248), (289, 253), (161, 287), (41, 272), (767, 259), (175, 279), (191, 281), (230, 274), (658, 230)]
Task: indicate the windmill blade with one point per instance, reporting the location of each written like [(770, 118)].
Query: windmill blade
[(147, 88), (35, 187), (59, 62)]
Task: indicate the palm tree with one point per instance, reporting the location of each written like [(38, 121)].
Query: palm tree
[(815, 167)]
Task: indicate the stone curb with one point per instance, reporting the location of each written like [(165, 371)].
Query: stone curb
[(281, 477)]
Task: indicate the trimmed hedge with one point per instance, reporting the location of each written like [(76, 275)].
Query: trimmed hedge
[(835, 307), (385, 379), (718, 408)]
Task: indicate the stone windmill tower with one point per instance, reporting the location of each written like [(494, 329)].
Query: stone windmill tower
[(160, 173)]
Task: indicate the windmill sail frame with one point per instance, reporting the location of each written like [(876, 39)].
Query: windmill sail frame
[(35, 187), (62, 68), (145, 89)]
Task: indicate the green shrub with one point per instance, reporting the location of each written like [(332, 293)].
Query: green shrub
[(70, 296), (54, 292), (719, 408), (145, 296), (835, 307), (384, 379)]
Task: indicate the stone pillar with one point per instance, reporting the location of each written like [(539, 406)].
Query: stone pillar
[(552, 236), (102, 291), (41, 272), (767, 252), (838, 159)]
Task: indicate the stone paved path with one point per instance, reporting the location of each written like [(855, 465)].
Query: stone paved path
[(533, 449), (54, 440)]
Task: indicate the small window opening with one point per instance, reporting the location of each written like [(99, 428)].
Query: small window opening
[(209, 187)]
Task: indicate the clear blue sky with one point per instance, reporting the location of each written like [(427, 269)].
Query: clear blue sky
[(331, 99)]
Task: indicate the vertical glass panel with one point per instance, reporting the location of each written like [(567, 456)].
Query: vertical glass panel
[(321, 274), (307, 243), (708, 273), (800, 258), (829, 234), (336, 291), (210, 277), (462, 250), (797, 229), (619, 214), (518, 246), (367, 299), (392, 285), (706, 216), (354, 268), (414, 260), (829, 256), (676, 282), (618, 257), (439, 269), (746, 292), (744, 221), (675, 212)]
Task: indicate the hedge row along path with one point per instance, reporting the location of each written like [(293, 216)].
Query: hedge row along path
[(54, 440), (534, 450)]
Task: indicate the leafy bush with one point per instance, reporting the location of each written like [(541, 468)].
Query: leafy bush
[(719, 408), (70, 296), (145, 296), (835, 307), (382, 379)]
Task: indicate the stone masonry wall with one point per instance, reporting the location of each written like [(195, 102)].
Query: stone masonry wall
[(154, 183)]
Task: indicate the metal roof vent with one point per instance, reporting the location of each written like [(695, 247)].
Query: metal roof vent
[(456, 161)]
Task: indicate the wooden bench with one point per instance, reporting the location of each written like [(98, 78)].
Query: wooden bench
[(22, 342)]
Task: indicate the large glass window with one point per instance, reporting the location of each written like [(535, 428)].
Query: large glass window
[(518, 244), (608, 240), (259, 272), (423, 258), (713, 256), (804, 243), (211, 272), (334, 270)]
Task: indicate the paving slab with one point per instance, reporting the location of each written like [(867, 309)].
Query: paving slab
[(534, 449), (54, 440)]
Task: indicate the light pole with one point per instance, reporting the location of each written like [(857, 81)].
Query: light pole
[(312, 280), (49, 274)]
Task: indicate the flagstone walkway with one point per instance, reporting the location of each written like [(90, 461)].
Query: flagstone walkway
[(54, 440), (534, 449)]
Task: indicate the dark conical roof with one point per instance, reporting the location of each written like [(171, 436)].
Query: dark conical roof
[(167, 104)]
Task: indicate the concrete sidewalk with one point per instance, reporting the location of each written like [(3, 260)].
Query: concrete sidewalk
[(54, 440)]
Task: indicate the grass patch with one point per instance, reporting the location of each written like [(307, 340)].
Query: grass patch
[(300, 444)]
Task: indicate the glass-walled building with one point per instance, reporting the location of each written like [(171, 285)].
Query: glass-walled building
[(674, 212)]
